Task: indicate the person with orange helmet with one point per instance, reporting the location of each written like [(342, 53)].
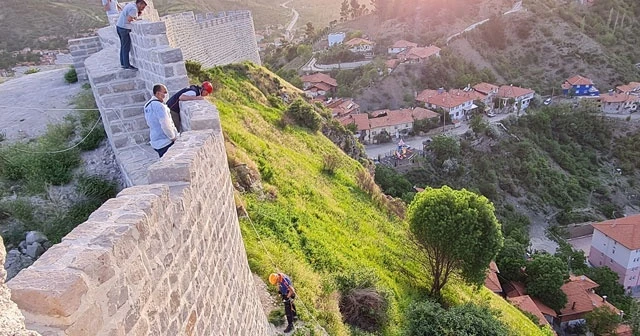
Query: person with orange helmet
[(194, 92), (288, 293)]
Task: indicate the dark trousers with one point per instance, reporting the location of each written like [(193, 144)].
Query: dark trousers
[(289, 310), (163, 150), (125, 46), (175, 116)]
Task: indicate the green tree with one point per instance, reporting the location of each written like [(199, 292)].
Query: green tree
[(576, 260), (344, 10), (458, 231), (430, 319), (478, 125), (609, 286), (602, 320), (309, 31), (511, 259), (445, 147), (545, 275)]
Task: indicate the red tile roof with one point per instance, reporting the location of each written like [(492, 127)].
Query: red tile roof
[(485, 88), (422, 52), (546, 310), (525, 303), (514, 288), (631, 87), (358, 41), (341, 107), (580, 299), (404, 44), (391, 63), (319, 78), (446, 99), (509, 91), (320, 86), (360, 119), (392, 118), (579, 80), (615, 97), (491, 280), (625, 231), (420, 113)]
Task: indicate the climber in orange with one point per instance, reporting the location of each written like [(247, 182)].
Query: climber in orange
[(285, 287)]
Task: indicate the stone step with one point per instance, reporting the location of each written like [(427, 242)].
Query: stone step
[(114, 100), (128, 139), (127, 125), (124, 112)]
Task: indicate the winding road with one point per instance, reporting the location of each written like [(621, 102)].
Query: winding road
[(288, 34), (516, 8)]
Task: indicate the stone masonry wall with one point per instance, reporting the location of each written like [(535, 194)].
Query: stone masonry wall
[(11, 319), (214, 39), (160, 259), (80, 50)]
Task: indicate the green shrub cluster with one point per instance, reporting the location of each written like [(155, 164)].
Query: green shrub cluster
[(304, 114), (430, 319), (71, 76)]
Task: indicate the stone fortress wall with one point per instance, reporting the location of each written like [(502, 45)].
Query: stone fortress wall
[(165, 257), (214, 39)]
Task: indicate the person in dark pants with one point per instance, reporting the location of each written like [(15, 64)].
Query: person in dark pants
[(163, 133), (129, 13), (285, 287), (194, 92)]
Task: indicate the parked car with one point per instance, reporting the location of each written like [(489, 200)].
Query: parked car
[(491, 114), (547, 101)]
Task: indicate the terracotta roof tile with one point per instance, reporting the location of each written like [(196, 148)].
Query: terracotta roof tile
[(579, 80), (625, 231), (631, 87), (360, 119), (525, 303), (514, 288), (392, 118), (358, 41), (581, 300), (546, 310), (342, 107), (485, 88), (422, 52), (509, 91), (391, 63), (614, 97), (491, 280), (319, 78), (420, 113), (446, 99)]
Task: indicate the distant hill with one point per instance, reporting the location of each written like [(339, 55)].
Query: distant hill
[(22, 23)]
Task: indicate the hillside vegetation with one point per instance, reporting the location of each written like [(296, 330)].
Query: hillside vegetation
[(316, 214)]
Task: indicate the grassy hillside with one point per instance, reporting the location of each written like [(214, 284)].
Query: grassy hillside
[(317, 222)]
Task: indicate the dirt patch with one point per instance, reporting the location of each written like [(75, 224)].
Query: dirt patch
[(463, 48)]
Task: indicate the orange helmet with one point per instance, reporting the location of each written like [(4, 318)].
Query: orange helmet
[(273, 278), (206, 86)]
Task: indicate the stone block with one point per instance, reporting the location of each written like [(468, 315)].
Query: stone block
[(123, 86), (150, 28), (170, 56), (176, 83), (104, 78), (52, 293), (89, 323)]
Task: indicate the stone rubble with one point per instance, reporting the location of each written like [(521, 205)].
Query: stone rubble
[(27, 252)]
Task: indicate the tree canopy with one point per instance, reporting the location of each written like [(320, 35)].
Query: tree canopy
[(602, 320), (429, 319), (545, 275), (458, 231)]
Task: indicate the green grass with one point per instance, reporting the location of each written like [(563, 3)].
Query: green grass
[(315, 225)]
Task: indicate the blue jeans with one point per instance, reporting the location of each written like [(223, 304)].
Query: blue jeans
[(125, 46)]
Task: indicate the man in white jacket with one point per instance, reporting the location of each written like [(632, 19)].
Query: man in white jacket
[(163, 131)]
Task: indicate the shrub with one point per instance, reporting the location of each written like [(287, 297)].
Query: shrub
[(331, 162), (303, 114), (361, 304), (32, 71), (71, 76), (430, 319)]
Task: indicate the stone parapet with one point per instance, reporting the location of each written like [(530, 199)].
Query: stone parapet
[(159, 259), (80, 50)]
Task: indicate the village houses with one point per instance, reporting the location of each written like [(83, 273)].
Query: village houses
[(616, 244), (400, 46), (488, 93), (418, 54), (318, 84), (457, 103), (632, 88), (360, 46), (393, 122), (580, 87), (521, 97), (620, 103), (341, 107)]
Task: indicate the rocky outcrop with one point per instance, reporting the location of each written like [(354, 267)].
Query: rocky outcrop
[(11, 319), (342, 138)]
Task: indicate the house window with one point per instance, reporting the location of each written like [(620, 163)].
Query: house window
[(610, 260)]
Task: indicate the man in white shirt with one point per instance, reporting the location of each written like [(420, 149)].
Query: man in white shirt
[(111, 6), (163, 132), (129, 13)]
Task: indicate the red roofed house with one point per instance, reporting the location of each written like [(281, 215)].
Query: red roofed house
[(360, 46), (361, 120), (342, 107), (614, 102), (581, 299), (579, 86), (318, 84), (527, 304), (396, 122), (616, 244), (457, 103), (521, 96), (491, 280), (419, 54), (488, 92), (400, 46), (391, 65), (631, 88)]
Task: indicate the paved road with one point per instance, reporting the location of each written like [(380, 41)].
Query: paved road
[(289, 31), (516, 7)]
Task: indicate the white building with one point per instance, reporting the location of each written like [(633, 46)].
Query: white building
[(336, 38)]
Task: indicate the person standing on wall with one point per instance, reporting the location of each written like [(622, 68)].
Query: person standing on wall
[(130, 13), (111, 6), (194, 92), (163, 133), (285, 287)]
